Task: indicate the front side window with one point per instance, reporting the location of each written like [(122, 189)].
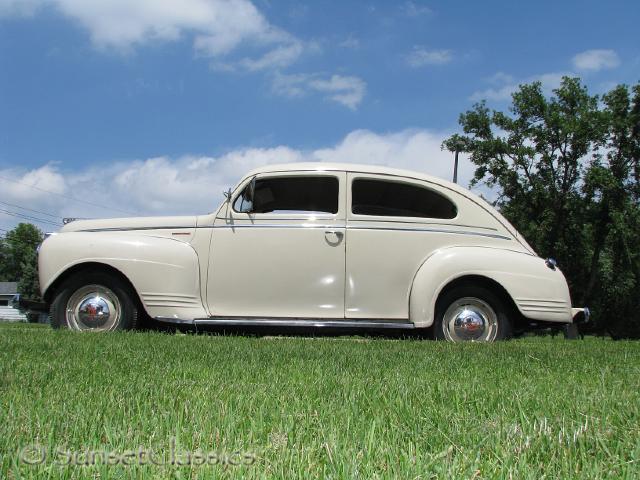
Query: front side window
[(289, 195), (394, 199)]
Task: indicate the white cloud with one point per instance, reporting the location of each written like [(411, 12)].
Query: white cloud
[(349, 91), (351, 43), (594, 60), (292, 86), (37, 189), (217, 27), (413, 9), (346, 90), (505, 85), (500, 78), (495, 94), (413, 149), (221, 30), (194, 184), (19, 7), (279, 57), (421, 56)]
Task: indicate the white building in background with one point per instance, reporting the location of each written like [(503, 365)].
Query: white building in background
[(7, 313)]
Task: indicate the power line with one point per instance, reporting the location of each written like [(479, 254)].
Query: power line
[(29, 217), (66, 196), (30, 210)]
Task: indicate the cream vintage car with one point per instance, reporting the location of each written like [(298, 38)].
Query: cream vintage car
[(318, 245)]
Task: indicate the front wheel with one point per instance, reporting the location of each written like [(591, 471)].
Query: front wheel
[(471, 314), (96, 302)]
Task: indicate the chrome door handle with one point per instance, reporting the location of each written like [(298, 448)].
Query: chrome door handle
[(333, 241)]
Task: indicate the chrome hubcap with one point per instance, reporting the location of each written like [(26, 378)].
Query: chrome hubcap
[(470, 319), (93, 308)]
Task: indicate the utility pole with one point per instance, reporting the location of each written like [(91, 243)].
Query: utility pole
[(455, 167), (458, 144)]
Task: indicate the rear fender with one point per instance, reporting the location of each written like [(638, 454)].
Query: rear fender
[(538, 292)]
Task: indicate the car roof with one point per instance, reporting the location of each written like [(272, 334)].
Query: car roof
[(354, 168)]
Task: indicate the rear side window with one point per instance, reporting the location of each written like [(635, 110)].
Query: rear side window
[(290, 195), (394, 199)]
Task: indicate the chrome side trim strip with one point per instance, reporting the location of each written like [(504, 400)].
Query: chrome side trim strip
[(546, 310), (172, 305), (291, 322), (461, 225), (173, 320), (526, 306), (278, 225), (316, 226), (539, 300), (132, 229), (434, 230), (177, 295), (299, 322)]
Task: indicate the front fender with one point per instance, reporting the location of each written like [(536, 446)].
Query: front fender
[(164, 272), (538, 292)]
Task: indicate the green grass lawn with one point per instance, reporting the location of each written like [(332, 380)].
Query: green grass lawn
[(344, 407)]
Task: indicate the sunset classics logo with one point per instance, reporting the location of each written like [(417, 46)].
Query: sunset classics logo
[(173, 456)]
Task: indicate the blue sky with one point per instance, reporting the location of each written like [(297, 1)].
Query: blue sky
[(165, 102)]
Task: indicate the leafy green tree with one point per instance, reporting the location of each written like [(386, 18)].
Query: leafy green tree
[(565, 172), (18, 252), (612, 188), (29, 285), (3, 259)]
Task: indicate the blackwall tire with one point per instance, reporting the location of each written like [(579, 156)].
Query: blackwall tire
[(471, 313), (94, 301)]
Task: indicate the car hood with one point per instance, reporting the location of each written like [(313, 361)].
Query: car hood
[(130, 223)]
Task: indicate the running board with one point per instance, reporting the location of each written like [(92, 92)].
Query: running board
[(290, 322)]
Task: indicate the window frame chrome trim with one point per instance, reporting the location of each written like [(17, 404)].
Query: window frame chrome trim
[(297, 173), (379, 177)]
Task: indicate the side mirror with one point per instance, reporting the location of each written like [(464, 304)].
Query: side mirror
[(227, 195)]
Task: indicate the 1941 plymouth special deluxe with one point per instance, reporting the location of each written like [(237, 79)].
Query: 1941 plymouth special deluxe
[(318, 245)]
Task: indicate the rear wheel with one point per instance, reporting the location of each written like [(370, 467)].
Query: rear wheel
[(471, 313), (96, 302)]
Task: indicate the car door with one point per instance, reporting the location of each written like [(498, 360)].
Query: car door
[(393, 225), (278, 248)]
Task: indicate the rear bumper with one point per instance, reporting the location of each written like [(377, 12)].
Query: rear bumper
[(580, 315)]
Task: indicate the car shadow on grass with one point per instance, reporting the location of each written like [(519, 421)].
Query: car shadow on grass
[(271, 331)]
